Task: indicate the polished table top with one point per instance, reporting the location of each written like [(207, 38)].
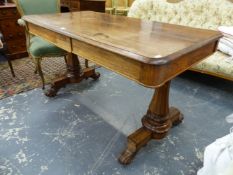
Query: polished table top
[(145, 41)]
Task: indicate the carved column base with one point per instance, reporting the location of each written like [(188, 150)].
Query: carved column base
[(63, 81), (143, 135), (74, 75)]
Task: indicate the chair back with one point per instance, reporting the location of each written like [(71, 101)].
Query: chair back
[(30, 7)]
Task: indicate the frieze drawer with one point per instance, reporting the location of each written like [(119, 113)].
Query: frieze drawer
[(17, 46), (8, 12)]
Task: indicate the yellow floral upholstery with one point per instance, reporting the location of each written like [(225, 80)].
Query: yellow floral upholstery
[(206, 14)]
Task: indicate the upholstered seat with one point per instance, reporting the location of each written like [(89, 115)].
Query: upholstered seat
[(39, 48), (206, 14)]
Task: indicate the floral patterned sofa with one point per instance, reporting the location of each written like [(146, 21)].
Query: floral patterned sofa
[(206, 14)]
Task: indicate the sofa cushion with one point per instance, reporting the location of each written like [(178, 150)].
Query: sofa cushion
[(218, 64)]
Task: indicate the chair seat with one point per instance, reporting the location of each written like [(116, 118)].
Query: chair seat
[(41, 48)]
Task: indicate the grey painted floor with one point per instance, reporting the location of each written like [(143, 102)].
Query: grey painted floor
[(83, 130)]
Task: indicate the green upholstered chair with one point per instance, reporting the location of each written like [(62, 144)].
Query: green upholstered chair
[(37, 47)]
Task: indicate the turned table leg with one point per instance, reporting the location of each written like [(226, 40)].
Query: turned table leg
[(74, 75), (156, 123)]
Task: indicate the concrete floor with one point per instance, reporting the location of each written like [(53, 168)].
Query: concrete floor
[(83, 130)]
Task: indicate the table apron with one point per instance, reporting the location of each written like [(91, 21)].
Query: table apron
[(148, 75), (117, 63), (57, 39)]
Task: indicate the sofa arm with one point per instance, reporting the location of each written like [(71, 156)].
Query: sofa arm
[(141, 9)]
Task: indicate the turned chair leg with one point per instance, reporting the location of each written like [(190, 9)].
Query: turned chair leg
[(35, 71), (65, 58), (86, 63), (10, 65), (11, 68), (34, 61), (38, 64)]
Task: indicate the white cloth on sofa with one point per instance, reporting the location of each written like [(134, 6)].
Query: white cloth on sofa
[(225, 48), (218, 157), (226, 42), (226, 30)]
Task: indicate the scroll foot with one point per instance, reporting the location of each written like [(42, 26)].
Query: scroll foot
[(135, 141), (95, 76), (51, 92), (176, 116), (127, 156)]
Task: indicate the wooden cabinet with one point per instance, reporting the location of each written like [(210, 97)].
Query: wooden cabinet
[(81, 5), (14, 34)]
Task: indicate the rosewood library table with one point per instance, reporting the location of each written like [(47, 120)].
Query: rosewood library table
[(150, 53)]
